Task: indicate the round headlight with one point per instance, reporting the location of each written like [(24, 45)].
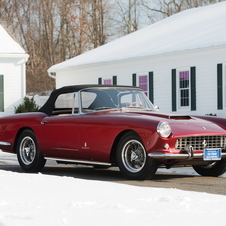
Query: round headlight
[(164, 129)]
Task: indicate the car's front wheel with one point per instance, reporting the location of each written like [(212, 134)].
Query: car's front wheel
[(28, 153), (214, 169), (132, 158)]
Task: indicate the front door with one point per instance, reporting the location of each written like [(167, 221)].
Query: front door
[(61, 129), (61, 135)]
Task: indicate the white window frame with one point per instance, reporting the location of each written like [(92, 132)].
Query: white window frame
[(138, 80), (178, 89)]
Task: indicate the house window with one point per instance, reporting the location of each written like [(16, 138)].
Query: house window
[(184, 84), (107, 82), (143, 83), (1, 93)]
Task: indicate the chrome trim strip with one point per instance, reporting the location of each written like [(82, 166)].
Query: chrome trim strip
[(80, 103), (168, 156), (178, 156), (2, 143), (73, 104), (66, 149), (80, 161)]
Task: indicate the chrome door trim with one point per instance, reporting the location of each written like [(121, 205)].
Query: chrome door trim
[(79, 161)]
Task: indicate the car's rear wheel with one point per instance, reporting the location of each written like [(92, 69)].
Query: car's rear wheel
[(28, 153), (132, 158), (214, 169)]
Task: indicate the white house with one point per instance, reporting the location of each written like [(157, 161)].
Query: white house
[(180, 62), (12, 73)]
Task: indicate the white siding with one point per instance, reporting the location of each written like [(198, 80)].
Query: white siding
[(205, 61), (14, 83)]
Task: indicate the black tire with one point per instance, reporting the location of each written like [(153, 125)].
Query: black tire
[(133, 160), (28, 153), (214, 170)]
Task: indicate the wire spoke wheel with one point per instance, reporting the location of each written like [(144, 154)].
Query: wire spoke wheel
[(28, 153), (27, 150), (133, 156)]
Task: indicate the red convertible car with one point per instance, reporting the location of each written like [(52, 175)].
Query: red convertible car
[(113, 126)]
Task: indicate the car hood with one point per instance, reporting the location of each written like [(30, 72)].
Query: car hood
[(185, 125)]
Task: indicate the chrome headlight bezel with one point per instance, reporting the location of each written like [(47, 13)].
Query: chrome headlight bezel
[(164, 129)]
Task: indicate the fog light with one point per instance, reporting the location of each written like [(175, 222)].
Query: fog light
[(166, 146)]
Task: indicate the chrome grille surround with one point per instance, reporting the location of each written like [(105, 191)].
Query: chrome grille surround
[(200, 142)]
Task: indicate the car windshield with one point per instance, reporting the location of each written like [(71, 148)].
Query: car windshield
[(103, 99)]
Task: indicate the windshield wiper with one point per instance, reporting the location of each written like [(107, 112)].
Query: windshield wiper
[(141, 108), (135, 107), (102, 108)]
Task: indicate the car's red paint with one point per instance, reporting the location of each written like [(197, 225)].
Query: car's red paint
[(94, 137), (10, 126)]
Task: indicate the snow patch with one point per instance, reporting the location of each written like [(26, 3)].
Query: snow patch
[(37, 199), (8, 44)]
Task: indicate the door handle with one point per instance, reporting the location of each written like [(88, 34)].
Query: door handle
[(43, 122)]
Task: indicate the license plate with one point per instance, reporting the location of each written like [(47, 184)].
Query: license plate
[(212, 154)]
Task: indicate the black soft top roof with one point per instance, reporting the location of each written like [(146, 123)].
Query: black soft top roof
[(48, 107)]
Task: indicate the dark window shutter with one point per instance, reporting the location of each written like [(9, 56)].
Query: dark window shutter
[(100, 81), (114, 80), (1, 93), (193, 89), (134, 82), (151, 86), (219, 87), (174, 90)]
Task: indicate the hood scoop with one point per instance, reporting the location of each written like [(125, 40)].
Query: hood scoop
[(179, 117)]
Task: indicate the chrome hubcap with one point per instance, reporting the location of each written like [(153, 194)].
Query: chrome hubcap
[(133, 156), (27, 150)]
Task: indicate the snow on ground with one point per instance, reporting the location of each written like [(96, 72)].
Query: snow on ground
[(37, 199)]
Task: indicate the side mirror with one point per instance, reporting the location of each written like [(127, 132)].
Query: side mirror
[(156, 108)]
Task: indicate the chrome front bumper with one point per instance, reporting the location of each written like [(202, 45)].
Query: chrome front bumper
[(178, 156), (189, 155), (3, 143)]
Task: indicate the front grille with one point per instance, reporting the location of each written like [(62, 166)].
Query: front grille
[(200, 142)]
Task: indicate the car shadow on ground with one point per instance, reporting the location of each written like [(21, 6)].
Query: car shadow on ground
[(111, 174), (160, 180), (9, 162)]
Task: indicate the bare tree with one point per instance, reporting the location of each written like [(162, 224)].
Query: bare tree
[(166, 8), (52, 31), (127, 16)]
